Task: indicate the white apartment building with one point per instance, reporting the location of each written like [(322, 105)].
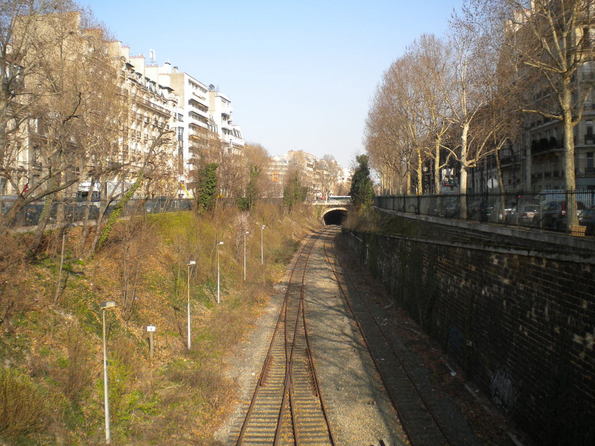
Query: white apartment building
[(220, 112), (315, 174), (276, 171), (149, 110), (153, 109), (203, 113), (191, 115)]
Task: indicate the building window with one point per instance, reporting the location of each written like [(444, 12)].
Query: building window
[(590, 164)]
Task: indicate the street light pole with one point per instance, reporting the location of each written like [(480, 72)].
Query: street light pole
[(188, 326), (104, 307), (218, 275), (262, 244), (151, 329), (245, 234)]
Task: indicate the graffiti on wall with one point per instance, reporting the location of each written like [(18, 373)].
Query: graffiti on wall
[(502, 390)]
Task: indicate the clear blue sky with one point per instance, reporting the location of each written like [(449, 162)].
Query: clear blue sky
[(300, 74)]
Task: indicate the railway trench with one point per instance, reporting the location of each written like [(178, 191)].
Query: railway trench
[(321, 369)]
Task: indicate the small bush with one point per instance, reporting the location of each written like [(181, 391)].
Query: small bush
[(23, 407)]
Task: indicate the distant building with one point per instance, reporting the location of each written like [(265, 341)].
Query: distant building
[(277, 171), (316, 174), (220, 113), (204, 113), (156, 100), (153, 107)]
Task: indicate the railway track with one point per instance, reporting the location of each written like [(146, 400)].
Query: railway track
[(414, 410), (286, 407)]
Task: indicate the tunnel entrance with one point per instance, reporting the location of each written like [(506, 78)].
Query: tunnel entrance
[(335, 217)]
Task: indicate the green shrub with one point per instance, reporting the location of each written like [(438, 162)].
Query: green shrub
[(23, 407)]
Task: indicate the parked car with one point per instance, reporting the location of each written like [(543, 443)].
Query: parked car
[(527, 214), (553, 215), (446, 206), (588, 219), (480, 209)]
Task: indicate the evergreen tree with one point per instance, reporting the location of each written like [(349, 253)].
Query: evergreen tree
[(246, 202), (206, 188), (362, 190), (293, 191)]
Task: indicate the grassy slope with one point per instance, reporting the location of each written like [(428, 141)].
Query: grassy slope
[(50, 349)]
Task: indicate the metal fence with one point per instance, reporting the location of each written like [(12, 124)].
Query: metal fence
[(544, 210), (74, 211)]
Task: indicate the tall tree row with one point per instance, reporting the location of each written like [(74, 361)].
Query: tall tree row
[(457, 100), (65, 110)]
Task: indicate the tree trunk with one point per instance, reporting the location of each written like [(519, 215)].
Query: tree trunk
[(44, 218), (464, 172), (8, 220), (501, 186), (420, 178), (86, 214), (571, 217), (118, 210), (437, 181)]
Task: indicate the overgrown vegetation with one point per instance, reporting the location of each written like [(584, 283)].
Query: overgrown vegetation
[(362, 188), (50, 374), (206, 189), (294, 192)]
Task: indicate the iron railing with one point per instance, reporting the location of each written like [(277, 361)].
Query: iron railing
[(74, 211), (544, 210)]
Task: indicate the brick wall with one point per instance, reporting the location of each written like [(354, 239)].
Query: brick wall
[(521, 326)]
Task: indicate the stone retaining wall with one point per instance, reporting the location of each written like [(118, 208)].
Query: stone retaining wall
[(520, 325)]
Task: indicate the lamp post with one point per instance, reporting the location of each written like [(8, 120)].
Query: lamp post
[(105, 306), (218, 275), (188, 328), (262, 244), (151, 329), (245, 234)]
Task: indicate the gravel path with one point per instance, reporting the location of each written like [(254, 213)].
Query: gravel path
[(359, 410)]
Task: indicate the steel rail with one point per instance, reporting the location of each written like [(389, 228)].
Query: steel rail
[(293, 400), (268, 357), (291, 395)]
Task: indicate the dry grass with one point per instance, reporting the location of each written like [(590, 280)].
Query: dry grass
[(179, 397)]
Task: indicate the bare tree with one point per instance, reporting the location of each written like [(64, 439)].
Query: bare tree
[(327, 172), (479, 99), (60, 106), (256, 183), (431, 74), (552, 40), (390, 129)]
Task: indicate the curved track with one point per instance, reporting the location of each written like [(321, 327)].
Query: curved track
[(287, 407)]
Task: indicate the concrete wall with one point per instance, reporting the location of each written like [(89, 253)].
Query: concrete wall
[(520, 324)]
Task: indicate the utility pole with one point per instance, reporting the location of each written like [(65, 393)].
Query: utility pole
[(245, 234), (105, 306), (188, 325), (262, 227), (151, 329), (218, 275)]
